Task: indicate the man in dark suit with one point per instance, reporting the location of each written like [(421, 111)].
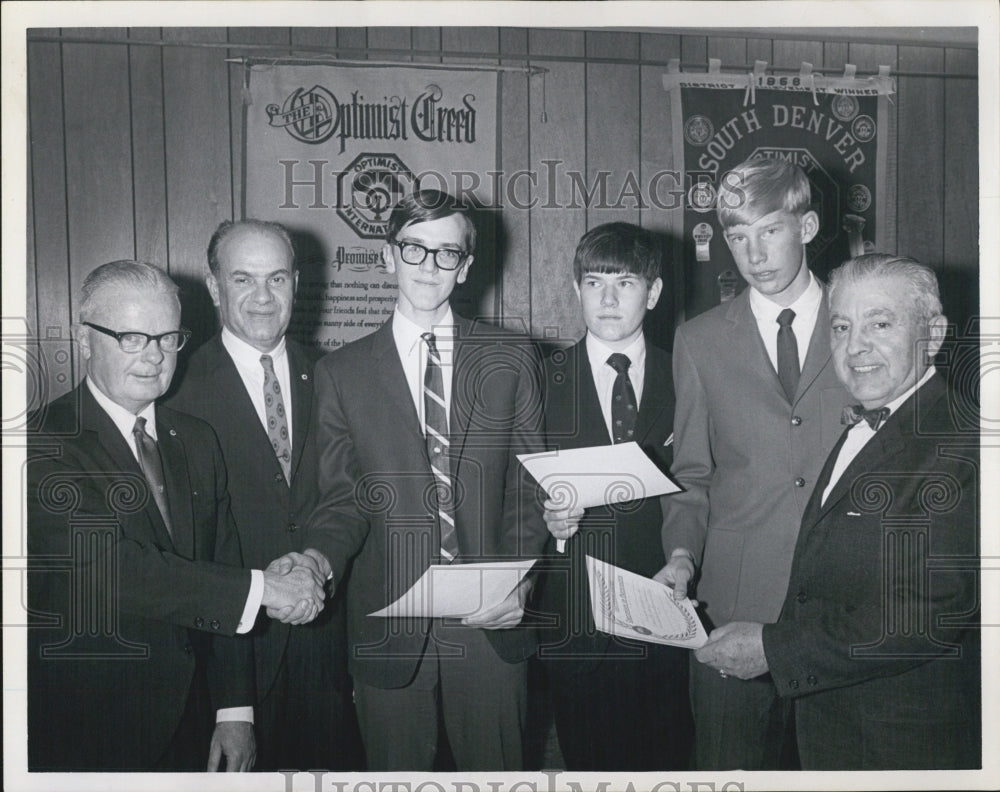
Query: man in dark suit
[(417, 427), (878, 641), (758, 405), (618, 704), (254, 386), (135, 585)]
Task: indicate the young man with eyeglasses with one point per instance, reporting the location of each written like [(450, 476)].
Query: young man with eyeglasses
[(134, 561), (417, 429)]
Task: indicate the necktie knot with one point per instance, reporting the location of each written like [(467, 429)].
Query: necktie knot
[(855, 413), (786, 317), (619, 362), (267, 363), (140, 425), (431, 340)]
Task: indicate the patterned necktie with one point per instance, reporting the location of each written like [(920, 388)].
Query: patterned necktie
[(436, 424), (623, 406), (854, 413), (152, 468), (277, 420), (788, 354)]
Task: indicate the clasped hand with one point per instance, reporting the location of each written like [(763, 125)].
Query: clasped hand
[(561, 522), (295, 586)]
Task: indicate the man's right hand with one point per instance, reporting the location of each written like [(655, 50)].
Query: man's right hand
[(677, 573), (294, 587), (561, 522)]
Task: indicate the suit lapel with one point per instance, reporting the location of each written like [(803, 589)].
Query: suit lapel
[(819, 349), (744, 336), (175, 472), (300, 377), (391, 385), (464, 369), (116, 448), (657, 401), (593, 427)]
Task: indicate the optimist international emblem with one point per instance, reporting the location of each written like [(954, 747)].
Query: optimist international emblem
[(368, 189), (306, 115), (844, 107), (698, 130)]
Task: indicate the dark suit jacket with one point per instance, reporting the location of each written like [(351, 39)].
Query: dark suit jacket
[(270, 515), (878, 636), (121, 612), (375, 484), (747, 459), (627, 535)]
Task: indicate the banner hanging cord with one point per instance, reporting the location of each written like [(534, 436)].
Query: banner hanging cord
[(249, 63)]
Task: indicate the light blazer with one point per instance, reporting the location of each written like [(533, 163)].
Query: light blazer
[(270, 515), (747, 458), (627, 536), (878, 639), (375, 485), (113, 701)]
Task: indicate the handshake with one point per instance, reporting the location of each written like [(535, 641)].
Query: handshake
[(295, 586)]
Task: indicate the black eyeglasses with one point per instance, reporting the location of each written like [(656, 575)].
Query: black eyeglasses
[(132, 341), (444, 258)]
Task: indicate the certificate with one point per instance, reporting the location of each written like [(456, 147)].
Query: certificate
[(633, 606), (458, 590)]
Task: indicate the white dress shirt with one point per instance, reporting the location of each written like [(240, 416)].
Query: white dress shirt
[(412, 350), (247, 361), (806, 309), (124, 421), (604, 376), (859, 435)]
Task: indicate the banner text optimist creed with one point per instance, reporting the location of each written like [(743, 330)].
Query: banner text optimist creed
[(314, 116)]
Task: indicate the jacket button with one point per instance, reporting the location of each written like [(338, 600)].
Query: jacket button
[(188, 649), (199, 622), (801, 596), (811, 680), (793, 684), (216, 624), (292, 527), (279, 477), (796, 420), (800, 482)]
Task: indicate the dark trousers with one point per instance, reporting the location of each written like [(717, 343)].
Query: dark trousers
[(624, 714), (188, 749), (479, 699), (740, 724)]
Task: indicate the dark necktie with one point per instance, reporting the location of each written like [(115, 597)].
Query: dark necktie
[(788, 354), (436, 426), (854, 413), (152, 468), (623, 406), (277, 420)]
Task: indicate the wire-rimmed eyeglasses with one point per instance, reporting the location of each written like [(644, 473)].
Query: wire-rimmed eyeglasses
[(134, 341), (444, 258)]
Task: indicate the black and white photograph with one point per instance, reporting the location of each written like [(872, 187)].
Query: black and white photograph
[(500, 396)]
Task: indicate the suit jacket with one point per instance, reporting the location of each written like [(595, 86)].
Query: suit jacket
[(375, 484), (627, 535), (270, 514), (888, 682), (747, 458), (123, 612)]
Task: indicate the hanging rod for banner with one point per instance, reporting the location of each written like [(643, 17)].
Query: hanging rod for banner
[(426, 53), (314, 61)]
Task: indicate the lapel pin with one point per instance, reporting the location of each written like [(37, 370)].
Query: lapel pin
[(853, 514), (173, 433), (305, 376)]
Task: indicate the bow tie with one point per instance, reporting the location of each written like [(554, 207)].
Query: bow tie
[(855, 412)]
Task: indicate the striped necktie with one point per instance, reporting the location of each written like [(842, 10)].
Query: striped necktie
[(436, 435), (152, 468)]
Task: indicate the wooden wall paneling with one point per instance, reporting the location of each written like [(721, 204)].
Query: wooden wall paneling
[(48, 246), (355, 38), (514, 244), (791, 54), (834, 57), (390, 38), (426, 38), (557, 147), (98, 154), (660, 180), (868, 58), (613, 121), (730, 50), (314, 37), (694, 50), (236, 77), (921, 156), (960, 289), (149, 178), (759, 49)]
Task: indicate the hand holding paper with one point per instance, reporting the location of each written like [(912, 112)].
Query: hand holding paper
[(561, 521)]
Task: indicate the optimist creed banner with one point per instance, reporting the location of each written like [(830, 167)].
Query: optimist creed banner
[(331, 149), (834, 128)]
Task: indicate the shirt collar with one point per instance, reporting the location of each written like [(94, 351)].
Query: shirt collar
[(245, 355), (766, 310), (598, 352), (894, 404), (122, 418), (408, 334)]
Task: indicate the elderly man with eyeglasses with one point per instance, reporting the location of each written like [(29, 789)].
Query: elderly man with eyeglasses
[(135, 584)]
